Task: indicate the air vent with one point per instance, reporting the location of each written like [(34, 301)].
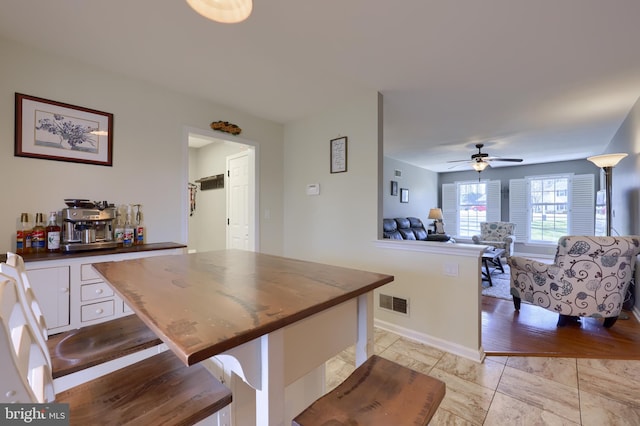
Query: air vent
[(395, 304), (397, 173)]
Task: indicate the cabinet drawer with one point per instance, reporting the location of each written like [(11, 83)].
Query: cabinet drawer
[(88, 273), (95, 291), (96, 311)]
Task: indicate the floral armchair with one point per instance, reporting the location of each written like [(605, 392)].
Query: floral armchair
[(589, 278), (497, 234)]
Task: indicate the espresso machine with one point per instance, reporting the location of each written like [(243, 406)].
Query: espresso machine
[(87, 225)]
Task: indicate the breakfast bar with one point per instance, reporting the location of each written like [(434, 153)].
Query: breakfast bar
[(272, 319)]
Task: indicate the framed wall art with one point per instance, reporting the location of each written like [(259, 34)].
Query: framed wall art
[(394, 188), (57, 131), (404, 195), (339, 155)]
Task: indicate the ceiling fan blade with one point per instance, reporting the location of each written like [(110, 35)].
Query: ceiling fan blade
[(458, 161), (515, 160)]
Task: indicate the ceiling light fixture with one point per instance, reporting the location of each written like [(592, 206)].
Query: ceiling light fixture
[(225, 11), (479, 166)]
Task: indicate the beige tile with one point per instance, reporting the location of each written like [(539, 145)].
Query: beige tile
[(336, 371), (561, 370), (500, 359), (414, 364), (508, 411), (383, 338), (613, 379), (444, 417), (464, 399), (541, 392), (486, 374), (416, 350), (597, 410)]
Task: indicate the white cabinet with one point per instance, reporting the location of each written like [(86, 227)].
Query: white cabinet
[(71, 293), (51, 287)]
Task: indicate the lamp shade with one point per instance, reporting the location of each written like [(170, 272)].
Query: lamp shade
[(479, 166), (226, 11), (606, 160), (435, 214)]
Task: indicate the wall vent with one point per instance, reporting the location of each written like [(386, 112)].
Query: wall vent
[(397, 173), (395, 304)]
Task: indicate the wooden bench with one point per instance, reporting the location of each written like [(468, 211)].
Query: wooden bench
[(85, 347), (379, 392), (156, 390)]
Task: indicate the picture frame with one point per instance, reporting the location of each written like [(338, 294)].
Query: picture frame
[(338, 149), (394, 188), (439, 227), (404, 195), (58, 131)]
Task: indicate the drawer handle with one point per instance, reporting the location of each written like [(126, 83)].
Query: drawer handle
[(99, 291), (99, 311)]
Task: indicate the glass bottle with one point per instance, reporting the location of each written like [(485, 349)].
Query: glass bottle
[(118, 232), (23, 235), (53, 233), (127, 237), (139, 231), (38, 235)]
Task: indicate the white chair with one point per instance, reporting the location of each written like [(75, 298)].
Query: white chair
[(26, 371), (14, 268)]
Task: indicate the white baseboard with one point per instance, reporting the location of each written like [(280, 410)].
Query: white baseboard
[(477, 356)]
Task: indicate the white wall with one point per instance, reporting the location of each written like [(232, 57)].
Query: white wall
[(340, 226), (149, 154), (625, 197), (423, 190)]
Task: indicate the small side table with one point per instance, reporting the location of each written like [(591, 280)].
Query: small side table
[(491, 257)]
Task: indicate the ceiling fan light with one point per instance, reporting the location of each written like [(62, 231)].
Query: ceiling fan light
[(479, 166), (225, 11), (606, 160)]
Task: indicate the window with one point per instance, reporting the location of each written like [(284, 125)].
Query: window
[(546, 207), (466, 204), (548, 202), (472, 203)]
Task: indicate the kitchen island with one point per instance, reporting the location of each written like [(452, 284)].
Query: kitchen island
[(273, 320)]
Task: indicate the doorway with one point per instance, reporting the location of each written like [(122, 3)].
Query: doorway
[(209, 208)]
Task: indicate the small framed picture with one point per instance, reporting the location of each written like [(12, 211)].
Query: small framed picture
[(404, 195), (339, 155), (394, 188)]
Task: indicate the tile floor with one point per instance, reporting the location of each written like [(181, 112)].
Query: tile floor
[(515, 390)]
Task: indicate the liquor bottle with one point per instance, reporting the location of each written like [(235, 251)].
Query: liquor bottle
[(23, 235), (139, 231), (38, 235), (127, 237), (118, 232), (53, 233)]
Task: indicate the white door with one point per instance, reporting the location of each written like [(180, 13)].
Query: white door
[(240, 203)]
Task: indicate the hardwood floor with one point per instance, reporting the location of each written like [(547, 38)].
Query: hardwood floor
[(533, 332)]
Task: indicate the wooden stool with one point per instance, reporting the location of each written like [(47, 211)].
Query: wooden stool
[(379, 392)]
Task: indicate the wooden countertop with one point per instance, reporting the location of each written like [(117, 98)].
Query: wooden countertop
[(203, 304), (32, 257)]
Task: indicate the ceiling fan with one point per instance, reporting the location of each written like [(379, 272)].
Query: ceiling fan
[(481, 160)]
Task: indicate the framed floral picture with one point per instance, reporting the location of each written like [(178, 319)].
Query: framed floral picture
[(57, 131)]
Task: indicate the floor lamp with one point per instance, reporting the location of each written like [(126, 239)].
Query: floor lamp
[(607, 162)]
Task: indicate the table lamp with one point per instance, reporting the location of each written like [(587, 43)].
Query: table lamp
[(436, 215)]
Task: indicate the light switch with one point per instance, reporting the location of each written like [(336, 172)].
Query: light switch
[(313, 189)]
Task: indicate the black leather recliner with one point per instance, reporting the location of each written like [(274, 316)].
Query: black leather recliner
[(390, 229)]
